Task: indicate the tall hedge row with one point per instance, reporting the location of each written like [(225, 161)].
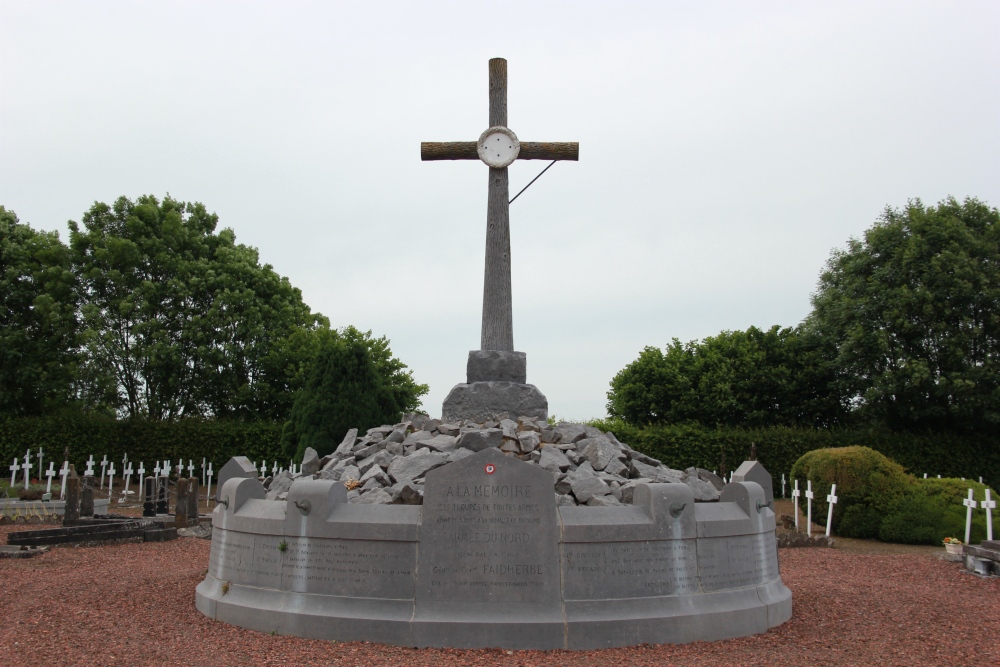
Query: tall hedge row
[(778, 448), (143, 440)]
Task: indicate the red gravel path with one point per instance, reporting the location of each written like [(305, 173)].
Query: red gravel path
[(133, 604)]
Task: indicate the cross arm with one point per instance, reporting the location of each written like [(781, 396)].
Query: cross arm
[(530, 150)]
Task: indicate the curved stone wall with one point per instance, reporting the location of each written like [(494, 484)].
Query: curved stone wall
[(489, 561)]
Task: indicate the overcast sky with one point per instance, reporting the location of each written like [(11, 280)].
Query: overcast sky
[(725, 150)]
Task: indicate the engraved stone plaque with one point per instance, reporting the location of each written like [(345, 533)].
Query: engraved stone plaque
[(489, 539), (611, 570)]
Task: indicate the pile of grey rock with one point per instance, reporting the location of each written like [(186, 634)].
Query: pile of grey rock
[(388, 464)]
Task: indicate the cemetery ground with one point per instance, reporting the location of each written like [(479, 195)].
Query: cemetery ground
[(858, 603)]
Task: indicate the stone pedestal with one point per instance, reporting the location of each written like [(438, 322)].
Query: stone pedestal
[(495, 383), (87, 498), (72, 511)]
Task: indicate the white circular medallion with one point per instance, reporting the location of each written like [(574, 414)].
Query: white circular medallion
[(498, 147)]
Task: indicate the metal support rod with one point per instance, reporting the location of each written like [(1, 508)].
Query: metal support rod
[(532, 181)]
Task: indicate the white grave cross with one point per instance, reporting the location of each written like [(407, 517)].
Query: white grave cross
[(809, 507), (180, 469), (165, 470), (26, 466), (63, 472), (970, 505), (156, 469), (40, 464), (795, 501), (111, 479), (50, 473), (203, 463), (140, 471), (190, 468), (208, 490), (13, 471), (832, 499), (989, 505), (89, 472), (127, 472), (782, 485), (104, 465)]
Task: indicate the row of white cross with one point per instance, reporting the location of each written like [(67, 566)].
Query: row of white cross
[(164, 470), (831, 499), (987, 504)]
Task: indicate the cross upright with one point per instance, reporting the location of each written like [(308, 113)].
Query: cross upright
[(498, 147)]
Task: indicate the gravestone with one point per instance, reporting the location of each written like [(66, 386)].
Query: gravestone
[(489, 548), (192, 511), (87, 498), (181, 508), (753, 471), (161, 495), (149, 497), (238, 466), (496, 375), (72, 489)]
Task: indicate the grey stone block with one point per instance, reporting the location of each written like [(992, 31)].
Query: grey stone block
[(238, 466), (416, 464), (478, 439), (553, 459), (377, 496), (310, 461), (484, 400), (439, 443), (529, 441), (753, 471), (496, 365), (599, 451), (584, 488), (350, 438)]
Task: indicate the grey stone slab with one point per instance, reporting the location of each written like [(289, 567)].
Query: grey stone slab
[(310, 461), (585, 488), (238, 466), (528, 440), (478, 439), (552, 459), (416, 464), (753, 471), (347, 444), (569, 432), (489, 551), (449, 429), (599, 451), (379, 458), (440, 443), (604, 501), (417, 436), (377, 496), (504, 366), (656, 473), (703, 491), (459, 454), (485, 400)]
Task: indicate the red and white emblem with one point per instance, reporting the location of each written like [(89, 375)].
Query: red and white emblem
[(490, 468)]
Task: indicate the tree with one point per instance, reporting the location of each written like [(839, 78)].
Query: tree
[(180, 320), (353, 383), (914, 310), (752, 379), (39, 333)]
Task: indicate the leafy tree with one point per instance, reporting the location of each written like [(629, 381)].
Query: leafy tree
[(39, 333), (180, 320), (756, 378), (353, 383), (913, 310)]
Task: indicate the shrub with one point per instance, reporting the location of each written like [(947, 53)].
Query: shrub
[(877, 499), (863, 477)]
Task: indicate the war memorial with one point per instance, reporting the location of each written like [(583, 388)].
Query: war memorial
[(490, 527)]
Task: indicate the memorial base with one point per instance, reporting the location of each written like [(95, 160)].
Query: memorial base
[(489, 560), (486, 400)]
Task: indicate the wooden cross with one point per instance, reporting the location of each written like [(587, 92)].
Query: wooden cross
[(970, 505), (832, 499), (989, 505), (498, 147)]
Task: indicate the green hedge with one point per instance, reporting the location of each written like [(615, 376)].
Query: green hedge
[(143, 440), (876, 499), (682, 446)]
